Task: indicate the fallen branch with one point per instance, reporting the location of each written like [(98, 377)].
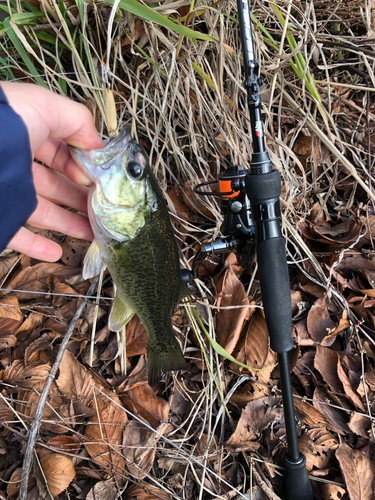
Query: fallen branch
[(34, 428)]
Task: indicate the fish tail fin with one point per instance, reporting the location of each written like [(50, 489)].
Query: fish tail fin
[(162, 360)]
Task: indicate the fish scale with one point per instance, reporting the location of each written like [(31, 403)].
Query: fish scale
[(135, 240)]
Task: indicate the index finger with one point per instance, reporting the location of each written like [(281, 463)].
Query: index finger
[(55, 154)]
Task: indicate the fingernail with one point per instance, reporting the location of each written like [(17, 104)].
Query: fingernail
[(81, 179)]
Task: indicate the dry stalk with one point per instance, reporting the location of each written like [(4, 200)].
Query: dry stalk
[(34, 427)]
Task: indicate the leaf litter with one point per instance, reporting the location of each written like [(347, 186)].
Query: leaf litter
[(200, 433)]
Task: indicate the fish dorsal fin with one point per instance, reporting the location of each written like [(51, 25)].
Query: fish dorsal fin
[(120, 315), (93, 263)]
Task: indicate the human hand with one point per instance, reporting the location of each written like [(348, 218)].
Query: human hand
[(53, 122)]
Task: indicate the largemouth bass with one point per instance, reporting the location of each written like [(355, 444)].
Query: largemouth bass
[(135, 240)]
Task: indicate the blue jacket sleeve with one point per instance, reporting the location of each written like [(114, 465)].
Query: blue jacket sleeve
[(17, 192)]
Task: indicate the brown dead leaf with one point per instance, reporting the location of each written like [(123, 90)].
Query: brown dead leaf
[(349, 391), (103, 490), (333, 492), (257, 343), (58, 471), (307, 447), (319, 321), (137, 31), (10, 320), (136, 338), (248, 392), (343, 325), (337, 236), (304, 371), (55, 416), (7, 262), (28, 376), (370, 379), (303, 148), (311, 416), (74, 251), (34, 278), (143, 401), (104, 431), (70, 444), (180, 401), (32, 322), (193, 201), (6, 413), (228, 48), (325, 445), (325, 405), (140, 447), (7, 339), (301, 333), (63, 289), (264, 375), (326, 363), (230, 321), (145, 491), (9, 309), (255, 418), (13, 487), (74, 379), (357, 471), (42, 344), (206, 447), (360, 425)]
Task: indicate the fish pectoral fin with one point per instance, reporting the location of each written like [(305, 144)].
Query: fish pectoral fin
[(93, 263), (120, 315)]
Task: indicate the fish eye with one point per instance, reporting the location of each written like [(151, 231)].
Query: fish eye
[(135, 170)]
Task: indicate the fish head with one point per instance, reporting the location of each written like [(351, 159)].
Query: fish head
[(122, 191)]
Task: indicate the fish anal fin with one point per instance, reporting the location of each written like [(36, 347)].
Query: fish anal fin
[(166, 358), (120, 314), (93, 263)]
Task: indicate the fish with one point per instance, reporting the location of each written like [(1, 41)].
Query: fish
[(134, 239)]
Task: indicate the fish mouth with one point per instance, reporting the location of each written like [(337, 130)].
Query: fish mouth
[(123, 139)]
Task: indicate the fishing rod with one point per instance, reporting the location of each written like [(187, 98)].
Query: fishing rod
[(249, 200)]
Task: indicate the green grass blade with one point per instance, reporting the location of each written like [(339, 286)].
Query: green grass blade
[(268, 35), (203, 75), (7, 72), (24, 18), (23, 54), (221, 351), (150, 15), (150, 60)]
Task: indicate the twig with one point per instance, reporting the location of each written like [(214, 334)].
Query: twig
[(34, 428), (264, 487), (96, 311)]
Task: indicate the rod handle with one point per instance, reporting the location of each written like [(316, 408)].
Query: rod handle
[(296, 483), (274, 283)]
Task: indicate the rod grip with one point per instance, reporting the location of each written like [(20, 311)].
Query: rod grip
[(296, 483), (274, 283)]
